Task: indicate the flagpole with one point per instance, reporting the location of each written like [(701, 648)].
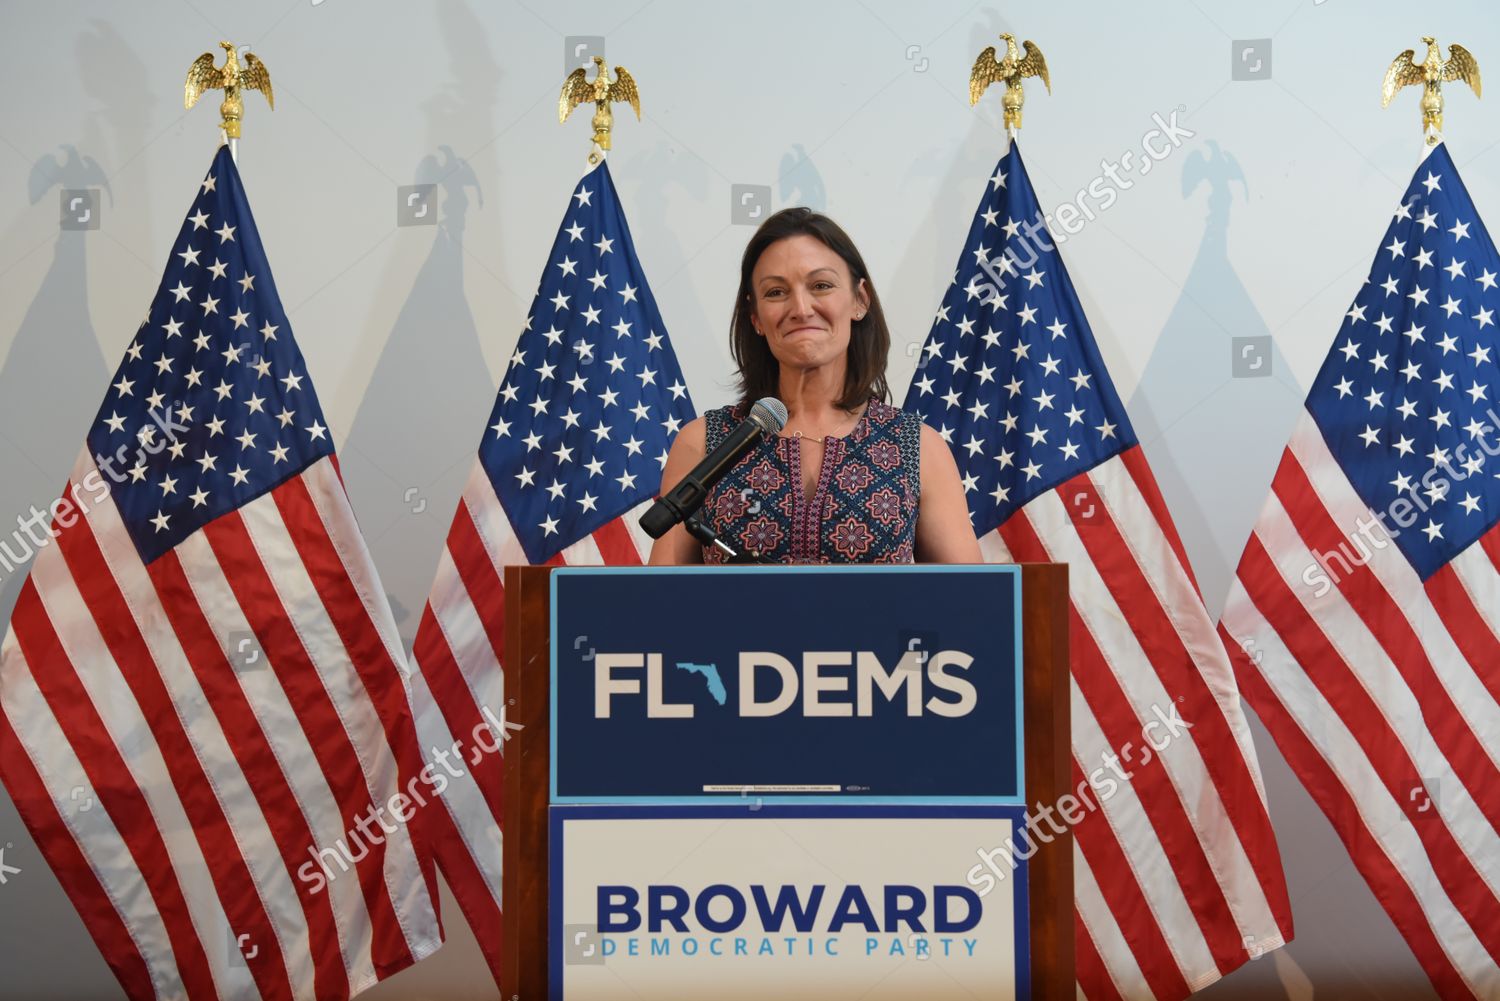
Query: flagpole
[(233, 140)]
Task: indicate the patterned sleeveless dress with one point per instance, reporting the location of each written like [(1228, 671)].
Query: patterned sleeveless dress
[(864, 509)]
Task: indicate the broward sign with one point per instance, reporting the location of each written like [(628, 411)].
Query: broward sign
[(835, 902)]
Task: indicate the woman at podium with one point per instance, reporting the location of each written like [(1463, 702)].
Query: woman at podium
[(850, 478)]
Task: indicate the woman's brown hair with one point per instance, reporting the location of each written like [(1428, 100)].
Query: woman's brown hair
[(869, 338)]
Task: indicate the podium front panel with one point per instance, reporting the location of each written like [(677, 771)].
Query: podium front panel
[(930, 643)]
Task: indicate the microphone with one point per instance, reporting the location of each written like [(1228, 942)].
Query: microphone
[(767, 416)]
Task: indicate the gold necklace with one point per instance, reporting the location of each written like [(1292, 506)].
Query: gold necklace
[(857, 416)]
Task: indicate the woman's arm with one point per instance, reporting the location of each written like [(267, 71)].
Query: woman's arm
[(677, 546), (944, 534)]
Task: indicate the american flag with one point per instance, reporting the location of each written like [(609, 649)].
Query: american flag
[(572, 452), (1366, 607), (202, 685), (1177, 874)]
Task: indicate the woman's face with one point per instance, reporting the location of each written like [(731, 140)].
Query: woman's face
[(805, 301)]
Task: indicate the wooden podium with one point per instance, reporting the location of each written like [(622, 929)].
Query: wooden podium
[(1048, 774)]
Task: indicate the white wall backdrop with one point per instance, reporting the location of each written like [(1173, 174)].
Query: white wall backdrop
[(1261, 226)]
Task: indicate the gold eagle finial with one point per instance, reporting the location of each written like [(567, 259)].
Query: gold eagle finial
[(577, 89), (1012, 69), (1432, 72), (204, 76)]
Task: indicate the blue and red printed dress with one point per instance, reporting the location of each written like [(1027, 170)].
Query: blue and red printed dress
[(864, 509)]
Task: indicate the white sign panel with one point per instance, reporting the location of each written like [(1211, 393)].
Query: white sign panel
[(770, 901)]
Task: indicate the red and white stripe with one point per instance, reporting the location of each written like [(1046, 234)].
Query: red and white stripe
[(201, 791), (458, 686), (1383, 693), (1178, 878)]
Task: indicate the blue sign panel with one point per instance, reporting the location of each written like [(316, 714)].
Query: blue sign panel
[(854, 684)]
